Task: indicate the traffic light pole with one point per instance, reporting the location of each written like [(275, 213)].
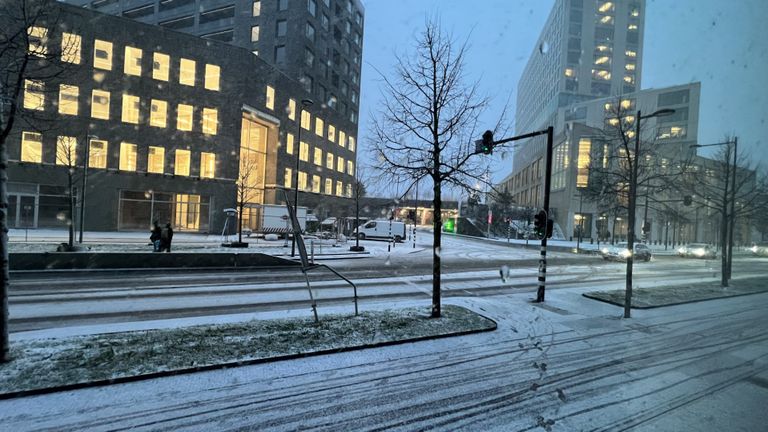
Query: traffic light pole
[(486, 146)]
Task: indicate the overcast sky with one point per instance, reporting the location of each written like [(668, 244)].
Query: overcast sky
[(722, 44)]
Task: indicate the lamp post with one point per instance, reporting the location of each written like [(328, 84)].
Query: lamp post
[(581, 220), (305, 103), (728, 258), (86, 156), (632, 204)]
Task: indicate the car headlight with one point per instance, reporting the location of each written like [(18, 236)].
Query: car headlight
[(699, 252), (754, 249), (681, 250), (626, 253), (604, 250)]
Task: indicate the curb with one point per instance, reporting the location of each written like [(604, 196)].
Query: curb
[(233, 364)]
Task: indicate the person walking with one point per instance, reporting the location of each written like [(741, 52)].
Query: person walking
[(166, 236), (154, 237)]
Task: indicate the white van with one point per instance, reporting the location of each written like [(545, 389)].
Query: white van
[(381, 229)]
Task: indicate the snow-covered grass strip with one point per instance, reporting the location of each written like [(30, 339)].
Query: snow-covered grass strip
[(643, 298), (49, 363)]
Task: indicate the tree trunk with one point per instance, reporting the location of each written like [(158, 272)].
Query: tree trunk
[(240, 223), (437, 226), (71, 221), (4, 273)]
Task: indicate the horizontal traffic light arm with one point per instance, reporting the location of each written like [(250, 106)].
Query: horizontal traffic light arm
[(515, 138)]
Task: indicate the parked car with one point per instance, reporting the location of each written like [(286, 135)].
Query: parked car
[(620, 252), (381, 229), (697, 250), (759, 249)]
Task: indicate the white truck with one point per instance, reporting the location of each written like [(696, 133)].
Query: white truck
[(381, 229), (273, 218)]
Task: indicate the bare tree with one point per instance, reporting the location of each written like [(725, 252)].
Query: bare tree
[(711, 186), (427, 125), (629, 161), (66, 156), (32, 50), (245, 187)]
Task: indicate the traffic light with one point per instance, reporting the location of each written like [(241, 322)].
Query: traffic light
[(687, 200), (540, 224), (486, 144), (646, 227)]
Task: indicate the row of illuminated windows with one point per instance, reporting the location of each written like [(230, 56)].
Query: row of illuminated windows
[(68, 103), (333, 135), (67, 155), (317, 185), (330, 161), (71, 52)]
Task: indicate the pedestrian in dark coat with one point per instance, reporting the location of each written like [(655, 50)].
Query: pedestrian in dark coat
[(166, 235), (154, 237)]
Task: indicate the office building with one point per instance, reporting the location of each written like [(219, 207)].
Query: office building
[(316, 42), (167, 128)]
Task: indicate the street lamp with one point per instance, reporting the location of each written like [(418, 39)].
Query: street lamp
[(87, 152), (632, 204), (305, 103), (735, 142)]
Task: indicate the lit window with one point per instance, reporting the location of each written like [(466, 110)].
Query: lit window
[(630, 53), (352, 144), (318, 159), (71, 48), (302, 180), (329, 160), (100, 104), (292, 109), (603, 48), (34, 95), (210, 121), (130, 109), (350, 168), (349, 190), (602, 60), (156, 160), (607, 19), (632, 27), (316, 184), (207, 165), (629, 66), (605, 7), (635, 12), (68, 95), (304, 151), (319, 126), (270, 102), (255, 33), (127, 156), (132, 64), (328, 186), (31, 147), (184, 117), (339, 188), (569, 72), (102, 55), (212, 77), (582, 163), (38, 38), (288, 178), (97, 154), (601, 74), (66, 151), (342, 139), (187, 72), (182, 161), (256, 10), (160, 66), (626, 103), (158, 114), (340, 164), (331, 133), (289, 143), (306, 119), (629, 79)]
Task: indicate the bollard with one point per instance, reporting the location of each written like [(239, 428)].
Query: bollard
[(312, 250)]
